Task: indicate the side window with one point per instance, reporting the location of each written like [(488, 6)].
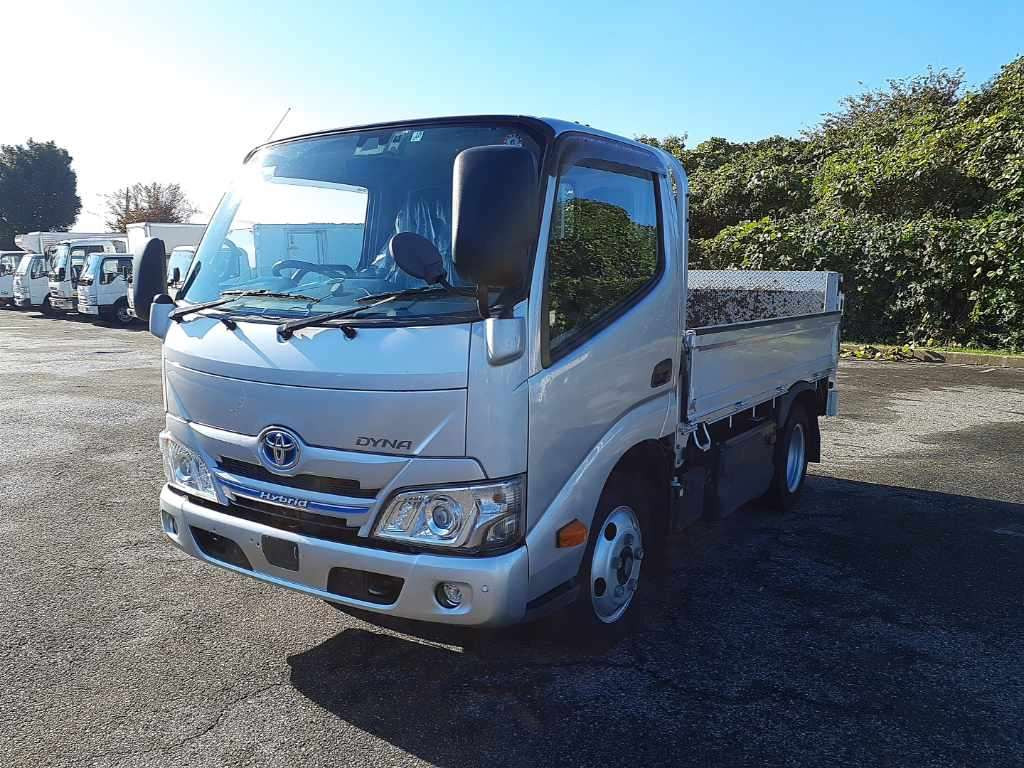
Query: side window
[(603, 249), (38, 268), (114, 267)]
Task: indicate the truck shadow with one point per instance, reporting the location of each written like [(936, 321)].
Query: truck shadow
[(873, 582)]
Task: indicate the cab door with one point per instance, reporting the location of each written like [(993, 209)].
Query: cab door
[(113, 284), (610, 315)]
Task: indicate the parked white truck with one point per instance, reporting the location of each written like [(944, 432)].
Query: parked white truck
[(67, 260), (500, 399), (32, 283), (41, 242), (173, 236), (103, 287), (8, 265)]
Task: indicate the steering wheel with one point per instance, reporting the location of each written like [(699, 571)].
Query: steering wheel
[(302, 267)]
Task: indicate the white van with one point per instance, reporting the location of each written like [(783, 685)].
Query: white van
[(103, 287), (32, 283), (8, 265)]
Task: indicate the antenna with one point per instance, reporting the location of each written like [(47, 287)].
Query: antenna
[(271, 135)]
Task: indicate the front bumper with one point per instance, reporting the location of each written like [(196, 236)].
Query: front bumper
[(495, 588), (59, 302), (22, 301), (88, 309)]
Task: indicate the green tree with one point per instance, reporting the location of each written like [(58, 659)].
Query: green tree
[(38, 189), (914, 192), (148, 202)]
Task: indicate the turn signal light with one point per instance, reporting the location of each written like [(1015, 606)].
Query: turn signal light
[(572, 534)]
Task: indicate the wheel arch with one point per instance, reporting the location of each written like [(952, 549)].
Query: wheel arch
[(806, 394)]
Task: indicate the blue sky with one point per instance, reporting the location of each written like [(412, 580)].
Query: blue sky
[(179, 91)]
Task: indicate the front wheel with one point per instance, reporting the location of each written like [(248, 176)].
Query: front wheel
[(610, 573), (46, 308), (121, 313)]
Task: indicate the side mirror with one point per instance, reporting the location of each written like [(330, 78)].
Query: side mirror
[(418, 257), (61, 274), (175, 276), (148, 274), (494, 214), (160, 315)]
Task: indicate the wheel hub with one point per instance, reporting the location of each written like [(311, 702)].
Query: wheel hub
[(615, 566)]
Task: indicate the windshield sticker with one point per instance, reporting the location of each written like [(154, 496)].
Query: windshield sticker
[(416, 135)]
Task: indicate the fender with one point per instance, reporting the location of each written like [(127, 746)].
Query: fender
[(577, 499), (785, 403)]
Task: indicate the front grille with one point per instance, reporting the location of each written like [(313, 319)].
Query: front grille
[(293, 520), (315, 483)]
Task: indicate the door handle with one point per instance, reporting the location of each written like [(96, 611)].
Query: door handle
[(662, 373)]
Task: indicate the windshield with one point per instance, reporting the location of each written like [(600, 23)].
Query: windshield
[(59, 258), (180, 260), (313, 218), (8, 263), (92, 267)]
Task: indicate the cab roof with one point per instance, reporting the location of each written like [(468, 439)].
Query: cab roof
[(552, 126)]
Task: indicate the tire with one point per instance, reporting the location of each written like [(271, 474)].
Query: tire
[(609, 576), (46, 308), (790, 460), (120, 314)]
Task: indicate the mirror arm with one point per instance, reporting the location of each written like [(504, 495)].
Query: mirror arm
[(482, 296)]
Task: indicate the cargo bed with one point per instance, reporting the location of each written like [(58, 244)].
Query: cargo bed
[(750, 335)]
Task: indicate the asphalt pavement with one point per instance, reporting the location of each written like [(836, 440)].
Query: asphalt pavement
[(879, 623)]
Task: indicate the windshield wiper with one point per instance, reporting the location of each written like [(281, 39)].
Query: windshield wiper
[(285, 330), (424, 290), (229, 296)]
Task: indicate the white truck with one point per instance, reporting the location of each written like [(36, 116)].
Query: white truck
[(8, 265), (32, 282), (172, 235), (41, 242), (67, 260), (501, 399), (103, 287)]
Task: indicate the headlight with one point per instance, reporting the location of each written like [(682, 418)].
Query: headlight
[(468, 517), (185, 469)]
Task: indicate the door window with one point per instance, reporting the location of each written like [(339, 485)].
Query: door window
[(38, 268), (603, 251), (112, 268)]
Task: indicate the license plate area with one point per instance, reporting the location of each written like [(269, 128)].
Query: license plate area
[(282, 553)]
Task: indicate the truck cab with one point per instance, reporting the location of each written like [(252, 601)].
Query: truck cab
[(177, 267), (67, 260), (8, 265), (103, 287), (444, 370), (31, 282)]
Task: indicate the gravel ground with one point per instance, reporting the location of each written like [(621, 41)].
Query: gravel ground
[(880, 623)]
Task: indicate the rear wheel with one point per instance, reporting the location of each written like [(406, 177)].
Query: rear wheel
[(790, 459), (610, 573)]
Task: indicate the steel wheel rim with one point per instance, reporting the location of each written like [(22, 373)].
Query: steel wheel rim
[(615, 565), (122, 315), (795, 458)]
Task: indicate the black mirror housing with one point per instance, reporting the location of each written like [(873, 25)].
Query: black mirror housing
[(494, 214), (417, 256), (148, 274), (61, 274)]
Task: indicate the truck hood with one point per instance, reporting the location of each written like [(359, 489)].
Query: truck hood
[(388, 390)]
